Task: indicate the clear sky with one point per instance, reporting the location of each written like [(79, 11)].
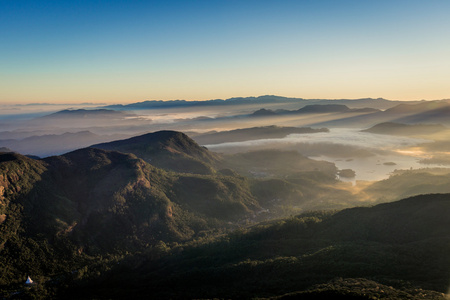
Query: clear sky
[(130, 51)]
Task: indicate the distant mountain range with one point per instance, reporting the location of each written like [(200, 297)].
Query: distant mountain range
[(314, 109), (34, 138), (254, 133), (159, 215), (56, 144), (378, 103), (392, 128), (86, 114), (430, 112), (83, 118), (418, 107)]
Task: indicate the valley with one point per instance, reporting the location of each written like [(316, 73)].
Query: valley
[(263, 197), (241, 150)]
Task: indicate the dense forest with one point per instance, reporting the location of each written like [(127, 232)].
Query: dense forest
[(171, 220)]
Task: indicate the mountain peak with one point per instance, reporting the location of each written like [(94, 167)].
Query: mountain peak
[(172, 141), (327, 108), (166, 149), (10, 156)]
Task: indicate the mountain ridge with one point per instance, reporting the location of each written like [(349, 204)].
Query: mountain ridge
[(124, 219), (252, 133), (110, 201), (314, 109), (393, 128), (86, 113), (314, 253), (167, 149), (266, 99)]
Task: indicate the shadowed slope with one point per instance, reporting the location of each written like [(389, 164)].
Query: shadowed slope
[(57, 214), (392, 128), (391, 250), (168, 150)]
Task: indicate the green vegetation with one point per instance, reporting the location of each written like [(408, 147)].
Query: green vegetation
[(168, 150), (397, 250), (103, 224), (286, 182), (406, 183), (65, 212), (360, 288)]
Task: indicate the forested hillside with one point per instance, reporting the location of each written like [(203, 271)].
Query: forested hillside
[(107, 224), (390, 251)]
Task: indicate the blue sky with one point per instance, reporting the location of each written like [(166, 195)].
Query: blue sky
[(130, 51)]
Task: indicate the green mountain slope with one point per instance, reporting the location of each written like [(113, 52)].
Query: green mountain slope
[(407, 183), (97, 223), (168, 150), (61, 213), (393, 251)]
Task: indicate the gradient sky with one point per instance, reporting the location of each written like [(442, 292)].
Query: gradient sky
[(129, 51)]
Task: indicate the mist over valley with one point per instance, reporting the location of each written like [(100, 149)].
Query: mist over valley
[(193, 197), (224, 150)]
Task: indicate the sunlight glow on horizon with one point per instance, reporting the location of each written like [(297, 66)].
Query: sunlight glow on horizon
[(118, 52)]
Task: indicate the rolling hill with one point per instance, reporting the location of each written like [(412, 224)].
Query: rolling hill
[(98, 223), (423, 112), (168, 150), (378, 103), (417, 108), (389, 251), (314, 109), (62, 211), (253, 133), (393, 128)]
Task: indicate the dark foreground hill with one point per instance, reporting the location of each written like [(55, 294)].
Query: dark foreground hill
[(390, 251), (167, 149), (59, 213), (96, 223)]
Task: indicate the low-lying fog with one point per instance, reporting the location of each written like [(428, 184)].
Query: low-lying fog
[(37, 130), (371, 156)]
